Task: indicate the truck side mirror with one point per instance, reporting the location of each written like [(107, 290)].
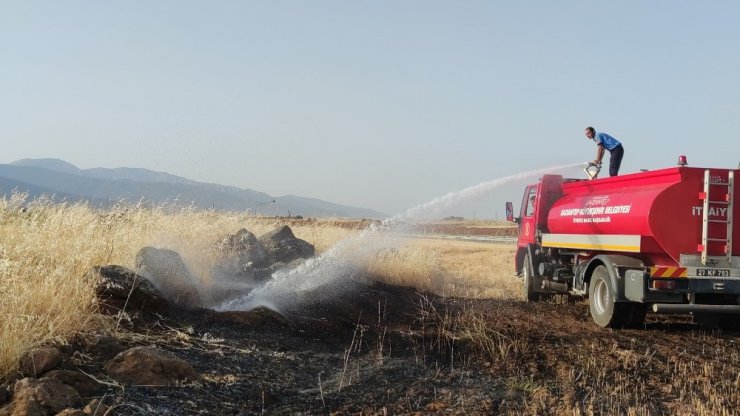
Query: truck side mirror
[(509, 212)]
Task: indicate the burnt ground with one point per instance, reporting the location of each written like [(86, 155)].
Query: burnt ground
[(390, 350)]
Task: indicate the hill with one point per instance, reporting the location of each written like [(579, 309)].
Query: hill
[(104, 186)]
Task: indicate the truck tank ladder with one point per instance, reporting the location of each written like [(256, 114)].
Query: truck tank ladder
[(706, 238)]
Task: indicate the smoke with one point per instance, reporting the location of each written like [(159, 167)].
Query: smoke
[(335, 270)]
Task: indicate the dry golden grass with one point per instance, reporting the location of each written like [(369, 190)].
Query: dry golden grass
[(44, 253), (46, 250), (450, 268)]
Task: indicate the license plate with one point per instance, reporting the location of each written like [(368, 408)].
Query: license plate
[(713, 272)]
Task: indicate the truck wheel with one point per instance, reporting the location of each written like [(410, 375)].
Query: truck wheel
[(529, 294), (604, 311)]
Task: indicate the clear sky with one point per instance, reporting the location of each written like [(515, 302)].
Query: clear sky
[(378, 104)]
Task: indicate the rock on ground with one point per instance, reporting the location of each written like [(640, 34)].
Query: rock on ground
[(103, 347), (85, 385), (244, 248), (149, 366), (283, 246), (45, 394), (40, 360), (168, 272), (119, 288), (248, 262)]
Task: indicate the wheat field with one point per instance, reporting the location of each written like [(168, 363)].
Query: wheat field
[(47, 249)]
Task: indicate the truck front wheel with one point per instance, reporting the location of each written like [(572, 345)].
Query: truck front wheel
[(528, 276), (604, 311)]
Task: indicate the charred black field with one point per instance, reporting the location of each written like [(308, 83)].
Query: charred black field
[(390, 350)]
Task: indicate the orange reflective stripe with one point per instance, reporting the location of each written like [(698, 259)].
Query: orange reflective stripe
[(660, 271)]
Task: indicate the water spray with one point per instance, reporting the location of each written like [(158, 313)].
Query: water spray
[(344, 259)]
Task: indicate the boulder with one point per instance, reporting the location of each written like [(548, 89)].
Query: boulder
[(84, 384), (149, 366), (119, 287), (244, 248), (168, 272), (235, 272), (103, 347), (283, 246), (40, 360), (49, 395)]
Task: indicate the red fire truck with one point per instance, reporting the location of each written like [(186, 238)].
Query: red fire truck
[(657, 240)]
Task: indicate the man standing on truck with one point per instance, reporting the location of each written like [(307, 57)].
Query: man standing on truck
[(614, 146)]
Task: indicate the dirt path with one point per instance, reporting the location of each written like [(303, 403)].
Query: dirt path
[(383, 350)]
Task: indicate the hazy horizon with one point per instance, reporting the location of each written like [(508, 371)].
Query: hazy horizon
[(380, 105)]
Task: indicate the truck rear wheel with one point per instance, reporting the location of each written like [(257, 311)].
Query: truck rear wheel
[(528, 276), (604, 311)]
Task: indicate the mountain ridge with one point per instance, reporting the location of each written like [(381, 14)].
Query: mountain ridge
[(96, 185)]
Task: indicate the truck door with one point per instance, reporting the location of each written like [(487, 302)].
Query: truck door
[(527, 224)]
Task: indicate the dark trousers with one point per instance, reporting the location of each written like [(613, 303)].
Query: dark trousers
[(615, 160)]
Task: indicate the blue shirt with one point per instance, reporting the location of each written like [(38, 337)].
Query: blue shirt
[(607, 141)]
